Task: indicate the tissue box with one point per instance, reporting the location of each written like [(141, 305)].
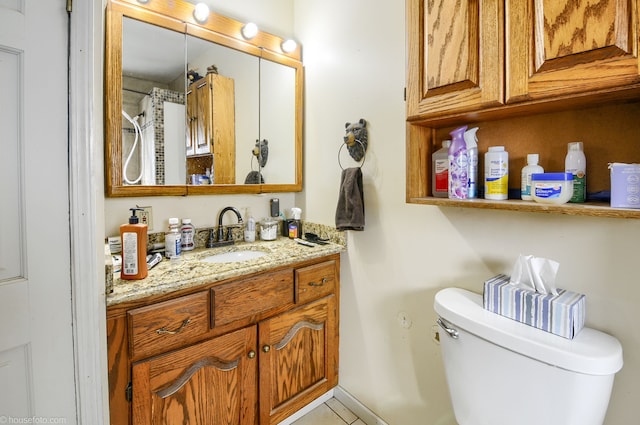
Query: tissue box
[(625, 185), (561, 314)]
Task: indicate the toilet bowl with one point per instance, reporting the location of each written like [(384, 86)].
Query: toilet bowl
[(502, 372)]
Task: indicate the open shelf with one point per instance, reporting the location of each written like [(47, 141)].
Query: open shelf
[(590, 209)]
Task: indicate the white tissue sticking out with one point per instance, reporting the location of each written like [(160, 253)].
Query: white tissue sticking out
[(535, 273)]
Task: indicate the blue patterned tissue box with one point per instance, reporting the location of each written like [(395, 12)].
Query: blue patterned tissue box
[(561, 314)]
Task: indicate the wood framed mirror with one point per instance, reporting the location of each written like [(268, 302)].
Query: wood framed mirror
[(190, 107)]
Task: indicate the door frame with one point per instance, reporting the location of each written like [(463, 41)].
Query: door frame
[(86, 210)]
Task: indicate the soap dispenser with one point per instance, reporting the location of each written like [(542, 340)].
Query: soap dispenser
[(134, 248)]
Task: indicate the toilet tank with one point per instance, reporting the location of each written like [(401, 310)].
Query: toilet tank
[(502, 372)]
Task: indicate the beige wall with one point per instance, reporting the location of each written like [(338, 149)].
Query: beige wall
[(354, 54)]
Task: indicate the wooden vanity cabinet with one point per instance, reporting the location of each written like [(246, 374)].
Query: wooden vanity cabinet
[(253, 350)]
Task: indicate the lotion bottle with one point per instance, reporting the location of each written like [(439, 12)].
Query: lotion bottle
[(525, 181), (134, 248), (458, 165), (576, 163), (250, 228)]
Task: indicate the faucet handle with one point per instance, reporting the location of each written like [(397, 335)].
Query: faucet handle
[(229, 234), (212, 239)]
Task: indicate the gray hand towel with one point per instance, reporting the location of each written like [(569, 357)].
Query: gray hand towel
[(350, 210)]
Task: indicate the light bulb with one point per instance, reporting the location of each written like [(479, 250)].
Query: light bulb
[(250, 30), (201, 13), (289, 46)]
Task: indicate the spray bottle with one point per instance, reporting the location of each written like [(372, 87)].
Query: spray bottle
[(458, 165), (471, 140)]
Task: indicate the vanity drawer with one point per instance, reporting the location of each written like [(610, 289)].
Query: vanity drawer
[(246, 299), (315, 281), (166, 325)]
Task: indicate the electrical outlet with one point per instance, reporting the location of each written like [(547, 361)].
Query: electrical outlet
[(146, 217), (404, 320)]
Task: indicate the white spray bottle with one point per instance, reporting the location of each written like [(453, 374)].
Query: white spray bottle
[(471, 140)]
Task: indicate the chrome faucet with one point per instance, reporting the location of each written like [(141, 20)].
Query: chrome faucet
[(221, 237)]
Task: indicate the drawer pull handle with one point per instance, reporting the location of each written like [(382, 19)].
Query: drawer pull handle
[(322, 282), (251, 354), (266, 348), (164, 330)]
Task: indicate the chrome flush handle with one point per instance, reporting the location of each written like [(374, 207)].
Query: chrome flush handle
[(449, 330)]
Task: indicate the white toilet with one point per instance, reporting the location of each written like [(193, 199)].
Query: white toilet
[(501, 372)]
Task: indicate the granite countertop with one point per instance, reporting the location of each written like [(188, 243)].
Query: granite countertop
[(189, 271)]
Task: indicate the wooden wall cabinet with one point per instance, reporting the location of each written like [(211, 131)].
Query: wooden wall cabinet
[(250, 351), (488, 61), (211, 124)]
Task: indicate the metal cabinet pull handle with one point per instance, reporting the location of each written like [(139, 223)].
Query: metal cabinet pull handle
[(266, 348), (251, 354), (164, 330), (322, 282), (450, 331)]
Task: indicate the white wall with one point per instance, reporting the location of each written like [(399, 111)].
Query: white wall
[(354, 54)]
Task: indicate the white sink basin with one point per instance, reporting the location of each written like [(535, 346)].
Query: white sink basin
[(234, 256)]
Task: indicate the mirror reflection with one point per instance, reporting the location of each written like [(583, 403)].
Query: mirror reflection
[(223, 112), (197, 109), (153, 105)]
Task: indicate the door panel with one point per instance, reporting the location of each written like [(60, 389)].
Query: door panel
[(36, 346), (568, 48), (210, 383), (298, 358), (455, 56)]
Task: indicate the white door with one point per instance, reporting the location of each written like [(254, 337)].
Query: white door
[(36, 346)]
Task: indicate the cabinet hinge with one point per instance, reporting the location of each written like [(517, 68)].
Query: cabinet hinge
[(128, 392), (69, 6)]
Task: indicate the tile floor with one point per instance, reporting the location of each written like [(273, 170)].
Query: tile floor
[(332, 412)]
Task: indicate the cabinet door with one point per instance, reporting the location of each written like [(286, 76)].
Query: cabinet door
[(210, 383), (223, 128), (298, 358), (455, 56), (558, 48), (203, 113), (192, 120)]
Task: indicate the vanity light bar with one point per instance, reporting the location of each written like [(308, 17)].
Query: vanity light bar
[(201, 17)]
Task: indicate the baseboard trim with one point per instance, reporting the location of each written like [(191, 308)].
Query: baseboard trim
[(359, 409), (308, 408)]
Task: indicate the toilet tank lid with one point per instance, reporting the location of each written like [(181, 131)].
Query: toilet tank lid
[(590, 352)]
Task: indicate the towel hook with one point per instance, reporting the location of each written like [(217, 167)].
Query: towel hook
[(364, 156), (356, 139)]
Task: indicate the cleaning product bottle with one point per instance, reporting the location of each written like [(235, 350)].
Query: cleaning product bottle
[(187, 235), (525, 183), (250, 227), (440, 171), (471, 140), (172, 243), (294, 225), (576, 163), (496, 173), (458, 165), (134, 248)]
